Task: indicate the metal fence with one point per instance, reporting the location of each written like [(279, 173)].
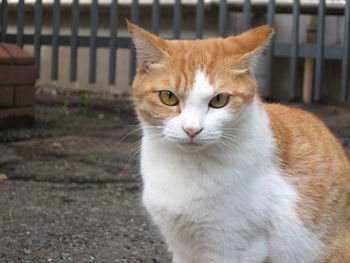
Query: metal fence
[(294, 50)]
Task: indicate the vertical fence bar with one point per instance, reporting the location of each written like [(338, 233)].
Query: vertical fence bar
[(55, 35), (75, 14), (222, 17), (38, 17), (134, 19), (3, 20), (269, 53), (199, 19), (295, 50), (113, 41), (93, 40), (345, 63), (177, 19), (155, 16), (319, 48), (247, 12), (20, 23)]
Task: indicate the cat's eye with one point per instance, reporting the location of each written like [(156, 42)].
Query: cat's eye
[(219, 101), (168, 98)]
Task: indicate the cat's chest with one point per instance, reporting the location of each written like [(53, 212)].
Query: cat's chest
[(201, 189), (176, 180)]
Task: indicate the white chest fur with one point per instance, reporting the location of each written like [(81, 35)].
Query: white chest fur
[(226, 207)]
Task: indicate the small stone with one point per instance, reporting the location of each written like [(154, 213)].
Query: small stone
[(56, 145), (3, 177)]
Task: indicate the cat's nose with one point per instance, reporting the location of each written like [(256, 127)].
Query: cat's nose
[(192, 132)]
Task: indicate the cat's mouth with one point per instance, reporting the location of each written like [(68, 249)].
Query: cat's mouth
[(191, 143)]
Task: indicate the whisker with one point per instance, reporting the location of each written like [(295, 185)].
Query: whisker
[(128, 134)]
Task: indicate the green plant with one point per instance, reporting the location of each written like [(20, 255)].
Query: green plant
[(65, 106), (92, 158), (84, 98)]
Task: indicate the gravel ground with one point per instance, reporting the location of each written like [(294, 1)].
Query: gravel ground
[(73, 189)]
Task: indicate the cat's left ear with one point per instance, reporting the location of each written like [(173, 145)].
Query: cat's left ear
[(149, 47), (249, 46)]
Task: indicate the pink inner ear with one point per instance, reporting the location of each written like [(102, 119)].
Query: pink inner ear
[(148, 46)]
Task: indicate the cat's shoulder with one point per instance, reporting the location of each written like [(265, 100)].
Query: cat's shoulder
[(303, 137), (297, 121), (279, 111)]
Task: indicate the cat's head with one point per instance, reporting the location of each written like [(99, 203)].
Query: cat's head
[(189, 92)]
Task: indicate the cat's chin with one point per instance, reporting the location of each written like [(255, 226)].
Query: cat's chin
[(192, 146)]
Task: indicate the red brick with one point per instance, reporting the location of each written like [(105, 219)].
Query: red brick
[(18, 55), (5, 57), (25, 95), (7, 96), (16, 117), (17, 74)]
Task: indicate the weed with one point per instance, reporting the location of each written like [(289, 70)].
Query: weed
[(92, 158)]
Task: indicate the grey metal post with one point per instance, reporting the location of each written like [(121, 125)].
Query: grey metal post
[(346, 55), (319, 48), (199, 19), (155, 16), (74, 40), (38, 17), (294, 50), (222, 17), (20, 23), (55, 36), (93, 40), (177, 19), (247, 11), (114, 14), (3, 20)]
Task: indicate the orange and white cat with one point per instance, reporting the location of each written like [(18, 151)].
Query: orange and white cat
[(227, 178)]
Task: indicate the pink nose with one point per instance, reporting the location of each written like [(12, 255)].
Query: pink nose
[(192, 131)]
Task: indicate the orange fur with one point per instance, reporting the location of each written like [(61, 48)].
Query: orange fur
[(310, 156), (317, 165)]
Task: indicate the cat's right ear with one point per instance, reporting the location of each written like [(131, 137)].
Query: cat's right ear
[(149, 48)]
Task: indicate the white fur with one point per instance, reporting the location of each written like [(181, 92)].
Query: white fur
[(224, 200)]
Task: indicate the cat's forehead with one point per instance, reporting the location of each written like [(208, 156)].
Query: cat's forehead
[(192, 67), (208, 54)]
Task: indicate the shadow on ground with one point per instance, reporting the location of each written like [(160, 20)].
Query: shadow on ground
[(73, 188)]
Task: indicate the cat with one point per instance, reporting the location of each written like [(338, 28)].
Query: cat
[(227, 178)]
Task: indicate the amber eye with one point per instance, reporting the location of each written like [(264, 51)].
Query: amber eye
[(219, 101), (168, 98)]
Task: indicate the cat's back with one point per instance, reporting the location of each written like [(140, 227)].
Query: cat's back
[(317, 165), (304, 140)]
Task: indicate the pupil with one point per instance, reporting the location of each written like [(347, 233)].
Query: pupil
[(169, 95), (217, 98)]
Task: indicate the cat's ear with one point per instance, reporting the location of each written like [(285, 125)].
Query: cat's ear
[(149, 48), (249, 45)]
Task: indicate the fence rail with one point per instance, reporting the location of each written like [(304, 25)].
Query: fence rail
[(294, 50)]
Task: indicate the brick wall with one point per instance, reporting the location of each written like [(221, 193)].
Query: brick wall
[(17, 94)]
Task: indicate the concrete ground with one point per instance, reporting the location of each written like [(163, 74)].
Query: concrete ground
[(73, 189)]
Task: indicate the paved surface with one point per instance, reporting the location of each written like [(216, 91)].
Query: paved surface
[(73, 189)]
